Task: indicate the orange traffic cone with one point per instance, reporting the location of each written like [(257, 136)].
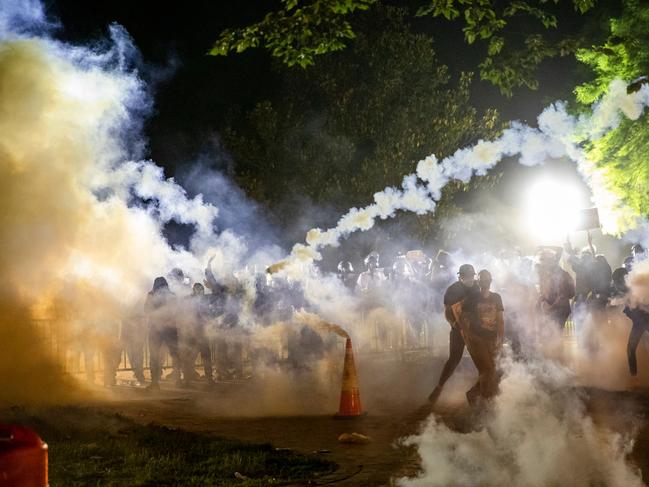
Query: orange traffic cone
[(350, 397)]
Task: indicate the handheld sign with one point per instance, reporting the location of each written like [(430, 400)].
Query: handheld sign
[(588, 219)]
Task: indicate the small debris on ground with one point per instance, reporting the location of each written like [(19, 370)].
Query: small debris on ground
[(354, 438)]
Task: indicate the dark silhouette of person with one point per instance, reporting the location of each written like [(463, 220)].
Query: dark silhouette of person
[(160, 310), (456, 293)]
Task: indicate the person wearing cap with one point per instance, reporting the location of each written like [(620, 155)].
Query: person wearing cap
[(454, 295), (483, 328)]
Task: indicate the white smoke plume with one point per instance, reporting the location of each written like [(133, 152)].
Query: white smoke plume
[(62, 111), (82, 216), (558, 135), (70, 130), (638, 282), (536, 434), (23, 16)]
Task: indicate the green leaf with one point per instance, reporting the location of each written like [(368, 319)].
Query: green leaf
[(290, 4), (495, 45)]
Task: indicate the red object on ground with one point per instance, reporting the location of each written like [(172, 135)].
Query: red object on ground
[(350, 396), (23, 457)]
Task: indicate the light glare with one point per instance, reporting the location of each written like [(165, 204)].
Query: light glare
[(552, 210)]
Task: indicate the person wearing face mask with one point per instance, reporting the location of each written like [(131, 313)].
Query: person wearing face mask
[(457, 292), (483, 329)]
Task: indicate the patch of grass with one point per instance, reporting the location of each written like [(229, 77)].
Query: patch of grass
[(90, 447)]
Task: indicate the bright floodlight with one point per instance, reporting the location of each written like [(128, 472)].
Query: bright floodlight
[(552, 210)]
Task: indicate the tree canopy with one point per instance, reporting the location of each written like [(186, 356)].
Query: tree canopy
[(622, 152), (302, 29), (357, 121), (297, 32), (359, 118)]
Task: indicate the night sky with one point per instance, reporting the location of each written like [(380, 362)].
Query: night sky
[(193, 92), (196, 90)]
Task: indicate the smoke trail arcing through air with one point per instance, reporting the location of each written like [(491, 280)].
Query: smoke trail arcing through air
[(558, 135), (82, 221)]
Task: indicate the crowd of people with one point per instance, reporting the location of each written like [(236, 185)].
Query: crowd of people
[(180, 321), (477, 315), (541, 295), (397, 307)]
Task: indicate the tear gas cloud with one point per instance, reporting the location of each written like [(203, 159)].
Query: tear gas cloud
[(83, 220), (82, 211), (81, 216), (537, 433)]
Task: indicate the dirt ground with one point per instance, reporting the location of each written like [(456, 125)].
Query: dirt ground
[(395, 400), (390, 417), (374, 463)]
